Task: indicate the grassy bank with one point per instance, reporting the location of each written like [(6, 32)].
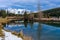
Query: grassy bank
[(3, 20), (1, 31)]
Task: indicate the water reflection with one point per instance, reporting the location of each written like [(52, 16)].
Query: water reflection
[(25, 23), (28, 30), (31, 23), (39, 31), (46, 32)]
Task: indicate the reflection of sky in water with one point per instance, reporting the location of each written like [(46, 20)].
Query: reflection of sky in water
[(47, 33), (50, 33)]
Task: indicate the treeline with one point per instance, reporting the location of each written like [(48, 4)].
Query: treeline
[(52, 13), (47, 13), (4, 13)]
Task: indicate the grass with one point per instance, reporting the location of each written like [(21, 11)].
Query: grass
[(3, 20), (18, 34), (1, 32)]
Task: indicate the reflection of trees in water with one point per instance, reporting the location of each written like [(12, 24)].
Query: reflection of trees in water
[(31, 23), (39, 31), (25, 23), (4, 25)]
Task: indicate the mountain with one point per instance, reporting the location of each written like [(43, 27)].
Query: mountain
[(17, 11), (55, 12)]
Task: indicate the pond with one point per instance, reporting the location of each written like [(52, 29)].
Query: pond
[(47, 32)]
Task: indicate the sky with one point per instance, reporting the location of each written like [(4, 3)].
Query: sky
[(29, 4)]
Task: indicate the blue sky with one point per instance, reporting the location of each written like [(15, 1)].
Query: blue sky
[(29, 4)]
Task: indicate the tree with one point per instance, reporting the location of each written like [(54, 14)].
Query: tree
[(3, 13), (53, 12), (0, 13), (25, 16)]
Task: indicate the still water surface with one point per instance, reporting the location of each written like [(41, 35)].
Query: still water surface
[(47, 32)]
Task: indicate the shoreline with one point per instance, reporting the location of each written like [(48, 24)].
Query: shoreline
[(10, 36)]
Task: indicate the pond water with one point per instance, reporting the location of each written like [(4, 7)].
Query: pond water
[(47, 32)]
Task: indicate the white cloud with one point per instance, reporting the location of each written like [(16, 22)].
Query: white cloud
[(44, 3), (7, 3)]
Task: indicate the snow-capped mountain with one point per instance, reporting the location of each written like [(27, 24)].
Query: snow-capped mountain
[(17, 11)]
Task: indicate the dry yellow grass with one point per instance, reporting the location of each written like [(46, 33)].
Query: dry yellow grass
[(18, 34), (1, 32), (3, 20)]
